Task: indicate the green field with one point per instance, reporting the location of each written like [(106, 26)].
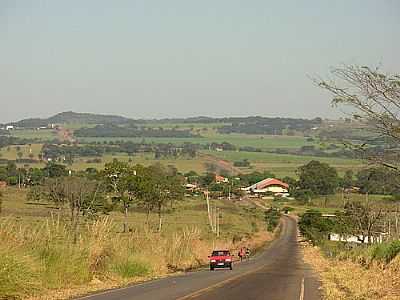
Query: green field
[(239, 140), (284, 164), (42, 134), (11, 151)]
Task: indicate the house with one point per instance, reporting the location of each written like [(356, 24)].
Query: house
[(9, 127), (191, 187), (221, 179), (269, 185), (359, 239)]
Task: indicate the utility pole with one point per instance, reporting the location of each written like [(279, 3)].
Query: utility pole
[(209, 210), (218, 222), (215, 218)]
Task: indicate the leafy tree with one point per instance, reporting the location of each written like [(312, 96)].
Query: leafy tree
[(319, 178), (254, 177), (167, 187), (119, 177), (272, 217), (348, 179), (314, 227), (207, 179), (53, 170), (379, 180), (19, 154)]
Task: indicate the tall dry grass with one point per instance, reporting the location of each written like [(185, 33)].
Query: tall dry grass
[(347, 279), (36, 259)]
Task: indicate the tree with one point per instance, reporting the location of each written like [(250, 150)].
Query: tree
[(319, 178), (53, 170), (360, 219), (348, 179), (119, 177), (19, 154), (83, 197), (313, 226), (374, 98), (379, 180), (166, 187)]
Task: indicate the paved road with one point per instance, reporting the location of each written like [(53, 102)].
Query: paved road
[(278, 273)]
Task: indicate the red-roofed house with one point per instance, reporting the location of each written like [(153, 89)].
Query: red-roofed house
[(269, 185), (221, 179)]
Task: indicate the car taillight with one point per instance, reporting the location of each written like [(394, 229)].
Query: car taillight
[(228, 260)]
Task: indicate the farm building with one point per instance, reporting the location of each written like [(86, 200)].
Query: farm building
[(221, 179), (269, 185)]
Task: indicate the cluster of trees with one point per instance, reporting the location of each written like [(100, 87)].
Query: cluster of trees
[(244, 163), (316, 179), (359, 219), (311, 150), (263, 125), (67, 153), (119, 185), (8, 140), (13, 175), (132, 131)]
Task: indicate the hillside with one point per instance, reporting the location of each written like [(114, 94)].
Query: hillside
[(73, 118)]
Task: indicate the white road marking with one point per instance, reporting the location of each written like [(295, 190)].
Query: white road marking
[(302, 290)]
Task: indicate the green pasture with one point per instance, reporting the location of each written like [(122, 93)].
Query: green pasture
[(239, 140), (284, 164), (42, 134), (11, 151)]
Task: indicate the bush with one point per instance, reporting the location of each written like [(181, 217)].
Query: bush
[(272, 217), (386, 252), (130, 268), (314, 227)]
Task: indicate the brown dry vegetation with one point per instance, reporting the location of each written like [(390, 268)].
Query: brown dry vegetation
[(347, 280), (38, 258)]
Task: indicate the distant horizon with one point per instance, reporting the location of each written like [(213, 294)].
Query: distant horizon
[(170, 118)]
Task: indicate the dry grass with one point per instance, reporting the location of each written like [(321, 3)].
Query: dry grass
[(41, 262), (343, 279)]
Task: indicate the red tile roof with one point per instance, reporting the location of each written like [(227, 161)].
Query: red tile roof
[(270, 181)]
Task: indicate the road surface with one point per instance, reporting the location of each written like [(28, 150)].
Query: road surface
[(277, 273)]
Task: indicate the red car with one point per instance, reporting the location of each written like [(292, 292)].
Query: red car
[(220, 259)]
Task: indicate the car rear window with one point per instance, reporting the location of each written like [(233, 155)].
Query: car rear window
[(220, 253)]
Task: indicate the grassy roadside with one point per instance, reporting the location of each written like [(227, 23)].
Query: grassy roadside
[(348, 280), (38, 259)]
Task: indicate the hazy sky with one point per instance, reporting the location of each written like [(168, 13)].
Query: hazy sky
[(177, 58)]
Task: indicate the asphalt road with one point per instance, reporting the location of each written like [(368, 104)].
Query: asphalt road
[(277, 273)]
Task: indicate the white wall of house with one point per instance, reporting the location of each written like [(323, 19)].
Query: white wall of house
[(355, 239)]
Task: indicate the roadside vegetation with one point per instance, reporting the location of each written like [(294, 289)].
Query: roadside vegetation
[(363, 260)]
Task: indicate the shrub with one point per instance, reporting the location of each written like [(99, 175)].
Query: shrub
[(130, 268), (272, 217), (387, 251)]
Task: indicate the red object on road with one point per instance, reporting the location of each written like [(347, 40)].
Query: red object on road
[(221, 259)]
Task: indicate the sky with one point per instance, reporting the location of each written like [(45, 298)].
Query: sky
[(181, 58)]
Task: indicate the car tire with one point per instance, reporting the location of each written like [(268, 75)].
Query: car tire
[(211, 268)]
